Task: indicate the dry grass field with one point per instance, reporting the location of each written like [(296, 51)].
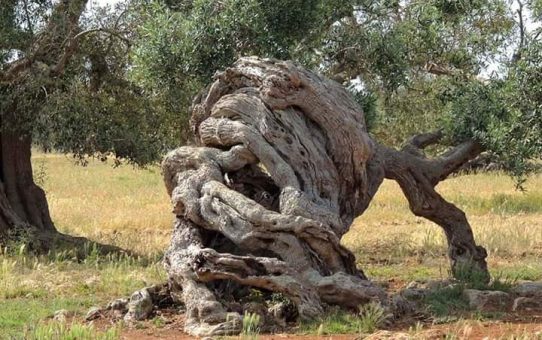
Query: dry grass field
[(129, 208)]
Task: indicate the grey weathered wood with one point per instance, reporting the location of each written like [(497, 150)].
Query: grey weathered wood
[(282, 164)]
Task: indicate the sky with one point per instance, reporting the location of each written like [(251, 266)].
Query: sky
[(103, 2)]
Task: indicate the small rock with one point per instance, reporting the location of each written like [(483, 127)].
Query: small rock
[(401, 306), (440, 284), (140, 306), (527, 304), (414, 294), (415, 285), (93, 313), (528, 288), (62, 315), (118, 304), (487, 300), (117, 314)]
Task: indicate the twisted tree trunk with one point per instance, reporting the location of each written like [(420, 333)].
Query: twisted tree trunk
[(282, 166)]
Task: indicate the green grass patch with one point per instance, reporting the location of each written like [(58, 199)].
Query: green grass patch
[(337, 321), (34, 287), (74, 331), (446, 301), (520, 271), (17, 314), (403, 272)]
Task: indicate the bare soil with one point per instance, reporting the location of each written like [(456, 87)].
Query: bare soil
[(510, 326)]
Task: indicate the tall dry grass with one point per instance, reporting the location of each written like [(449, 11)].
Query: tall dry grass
[(129, 207)]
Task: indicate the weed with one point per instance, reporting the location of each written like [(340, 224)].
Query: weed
[(158, 322), (251, 326), (336, 321), (371, 316)]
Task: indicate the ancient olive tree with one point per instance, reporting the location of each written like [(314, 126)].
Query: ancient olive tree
[(282, 165), (283, 159), (63, 86)]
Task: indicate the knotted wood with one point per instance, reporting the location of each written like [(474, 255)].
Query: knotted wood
[(278, 175), (280, 167)]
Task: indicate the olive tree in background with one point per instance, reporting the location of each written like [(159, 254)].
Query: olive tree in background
[(64, 86)]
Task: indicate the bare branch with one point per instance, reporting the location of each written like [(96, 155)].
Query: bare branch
[(417, 178), (27, 14), (455, 158), (426, 139), (517, 55), (438, 70)]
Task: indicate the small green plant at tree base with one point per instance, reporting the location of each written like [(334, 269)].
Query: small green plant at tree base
[(158, 322), (445, 301), (74, 331), (371, 316), (251, 326)]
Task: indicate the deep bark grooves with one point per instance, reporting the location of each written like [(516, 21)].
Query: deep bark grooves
[(282, 167), (280, 173), (417, 176)]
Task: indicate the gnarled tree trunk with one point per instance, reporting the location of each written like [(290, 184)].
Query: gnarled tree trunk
[(282, 166)]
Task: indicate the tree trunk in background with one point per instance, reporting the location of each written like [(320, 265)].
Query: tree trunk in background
[(23, 205)]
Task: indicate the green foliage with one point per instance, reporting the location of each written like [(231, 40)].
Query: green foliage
[(89, 107), (368, 103), (180, 46), (419, 66)]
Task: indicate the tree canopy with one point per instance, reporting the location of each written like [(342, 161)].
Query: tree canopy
[(64, 80), (467, 67), (414, 67)]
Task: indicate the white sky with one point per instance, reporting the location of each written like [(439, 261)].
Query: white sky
[(103, 2)]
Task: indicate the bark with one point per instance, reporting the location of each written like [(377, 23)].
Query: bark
[(278, 175), (417, 176), (24, 212), (281, 166), (23, 206)]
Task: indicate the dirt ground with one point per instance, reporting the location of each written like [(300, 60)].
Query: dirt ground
[(526, 326)]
